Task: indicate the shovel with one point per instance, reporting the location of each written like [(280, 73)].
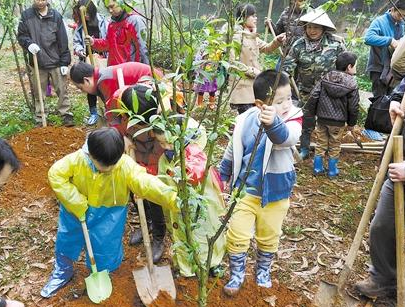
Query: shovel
[(98, 284), (399, 224), (152, 279), (39, 88), (331, 295)]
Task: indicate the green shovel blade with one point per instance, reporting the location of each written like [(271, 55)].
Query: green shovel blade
[(99, 286)]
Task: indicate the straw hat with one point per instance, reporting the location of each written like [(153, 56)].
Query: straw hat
[(319, 17)]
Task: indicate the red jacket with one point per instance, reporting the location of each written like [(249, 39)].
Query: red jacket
[(107, 80), (124, 41)]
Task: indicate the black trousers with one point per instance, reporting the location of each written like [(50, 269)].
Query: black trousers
[(154, 215), (382, 238)]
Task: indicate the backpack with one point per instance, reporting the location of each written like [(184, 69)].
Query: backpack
[(378, 116)]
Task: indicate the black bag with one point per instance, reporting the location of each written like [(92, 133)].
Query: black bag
[(378, 116)]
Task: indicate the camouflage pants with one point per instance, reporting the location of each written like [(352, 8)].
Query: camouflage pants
[(308, 124), (329, 138)]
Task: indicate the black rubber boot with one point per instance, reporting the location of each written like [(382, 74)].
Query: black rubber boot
[(158, 247)]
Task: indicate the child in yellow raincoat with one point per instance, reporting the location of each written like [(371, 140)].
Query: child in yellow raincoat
[(210, 210), (94, 184)]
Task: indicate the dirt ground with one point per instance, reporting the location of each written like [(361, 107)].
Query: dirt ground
[(317, 234)]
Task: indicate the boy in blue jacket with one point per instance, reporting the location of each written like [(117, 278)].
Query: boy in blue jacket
[(269, 183)]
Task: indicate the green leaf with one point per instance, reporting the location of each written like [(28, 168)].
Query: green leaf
[(220, 80), (139, 132), (135, 102), (148, 94)]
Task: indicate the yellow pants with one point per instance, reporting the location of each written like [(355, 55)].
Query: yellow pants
[(250, 218)]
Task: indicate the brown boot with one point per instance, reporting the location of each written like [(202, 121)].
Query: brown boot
[(211, 104), (371, 289), (200, 100)]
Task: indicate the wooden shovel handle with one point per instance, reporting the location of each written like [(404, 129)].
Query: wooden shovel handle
[(84, 25), (39, 88), (88, 246), (145, 234), (399, 224), (371, 201)]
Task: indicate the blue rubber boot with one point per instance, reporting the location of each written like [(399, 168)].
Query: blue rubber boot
[(263, 265), (61, 275), (333, 171), (237, 265), (93, 117), (318, 165), (304, 153)]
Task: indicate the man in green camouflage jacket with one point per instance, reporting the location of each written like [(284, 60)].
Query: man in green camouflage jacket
[(309, 58)]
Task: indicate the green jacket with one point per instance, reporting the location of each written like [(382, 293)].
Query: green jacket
[(309, 63)]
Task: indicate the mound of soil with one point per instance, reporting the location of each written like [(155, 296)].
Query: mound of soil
[(38, 149)]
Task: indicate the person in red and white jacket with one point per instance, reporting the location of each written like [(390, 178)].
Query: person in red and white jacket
[(124, 42)]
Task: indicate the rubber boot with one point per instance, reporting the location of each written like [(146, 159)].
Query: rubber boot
[(158, 247), (237, 265), (200, 100), (304, 153), (318, 165), (263, 264), (93, 117), (333, 171), (61, 275), (305, 141), (211, 104)]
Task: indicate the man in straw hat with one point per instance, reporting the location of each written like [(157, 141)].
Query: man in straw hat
[(312, 56), (382, 36)]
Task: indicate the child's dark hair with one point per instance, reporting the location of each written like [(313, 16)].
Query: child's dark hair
[(243, 11), (106, 145), (344, 59), (265, 80), (81, 70), (8, 156), (91, 9), (146, 107)]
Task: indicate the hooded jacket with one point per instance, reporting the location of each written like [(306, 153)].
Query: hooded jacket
[(124, 42), (335, 99), (49, 33), (272, 176), (79, 185)]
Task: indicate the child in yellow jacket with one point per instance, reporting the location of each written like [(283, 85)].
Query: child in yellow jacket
[(94, 184)]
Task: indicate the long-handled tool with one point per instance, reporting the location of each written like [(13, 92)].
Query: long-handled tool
[(331, 295), (152, 279), (98, 284), (399, 224), (40, 97), (86, 33)]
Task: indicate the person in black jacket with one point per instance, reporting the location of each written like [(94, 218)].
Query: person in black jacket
[(335, 102), (41, 31)]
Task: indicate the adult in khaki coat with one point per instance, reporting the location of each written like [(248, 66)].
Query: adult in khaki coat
[(247, 59)]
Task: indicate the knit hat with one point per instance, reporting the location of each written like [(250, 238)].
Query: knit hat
[(319, 17)]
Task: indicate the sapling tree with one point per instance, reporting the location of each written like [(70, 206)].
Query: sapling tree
[(184, 44)]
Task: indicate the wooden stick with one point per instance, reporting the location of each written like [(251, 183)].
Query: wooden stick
[(40, 97), (399, 224), (120, 77), (266, 31), (86, 33)]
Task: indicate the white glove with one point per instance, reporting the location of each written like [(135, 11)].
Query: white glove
[(64, 70), (33, 48)]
